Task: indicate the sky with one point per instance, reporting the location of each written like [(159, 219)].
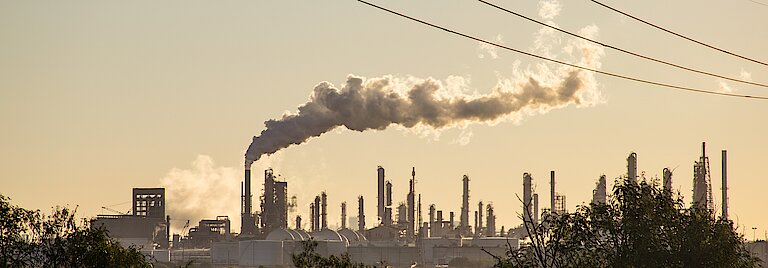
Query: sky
[(98, 97)]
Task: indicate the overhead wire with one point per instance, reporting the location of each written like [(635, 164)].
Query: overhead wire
[(690, 89), (680, 35), (620, 49)]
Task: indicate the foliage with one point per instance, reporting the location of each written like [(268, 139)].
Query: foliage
[(30, 239), (309, 258), (640, 226)]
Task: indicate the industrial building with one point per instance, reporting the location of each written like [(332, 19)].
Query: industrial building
[(397, 240)]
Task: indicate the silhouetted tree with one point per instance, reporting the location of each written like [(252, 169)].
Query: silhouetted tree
[(30, 239), (640, 226)]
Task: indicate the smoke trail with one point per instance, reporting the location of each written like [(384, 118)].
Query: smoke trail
[(376, 103)]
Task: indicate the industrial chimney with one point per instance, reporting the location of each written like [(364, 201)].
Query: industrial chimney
[(535, 208), (411, 232), (632, 166), (360, 214), (527, 199), (343, 215), (464, 217), (725, 185), (552, 191), (247, 220), (381, 195), (324, 207)]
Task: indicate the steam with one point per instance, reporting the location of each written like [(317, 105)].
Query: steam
[(363, 104), (204, 191)]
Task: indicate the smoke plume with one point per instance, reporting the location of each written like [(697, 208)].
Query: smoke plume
[(362, 104)]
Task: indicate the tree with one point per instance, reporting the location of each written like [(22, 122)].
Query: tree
[(309, 258), (30, 239), (641, 226)]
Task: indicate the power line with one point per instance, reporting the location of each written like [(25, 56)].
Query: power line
[(562, 62), (620, 49), (680, 35)]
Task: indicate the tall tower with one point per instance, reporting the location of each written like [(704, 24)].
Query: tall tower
[(381, 196), (599, 194), (725, 185), (702, 182), (479, 227), (490, 230), (632, 166), (316, 215), (247, 219), (527, 199), (411, 232), (552, 191), (464, 220), (324, 206), (343, 215), (360, 214)]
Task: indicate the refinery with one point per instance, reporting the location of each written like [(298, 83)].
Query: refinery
[(401, 236)]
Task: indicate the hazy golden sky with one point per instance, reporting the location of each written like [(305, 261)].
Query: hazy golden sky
[(97, 97)]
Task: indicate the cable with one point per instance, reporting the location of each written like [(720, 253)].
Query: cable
[(623, 50), (562, 62), (680, 35)]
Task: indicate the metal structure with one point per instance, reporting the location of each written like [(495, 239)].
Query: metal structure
[(360, 214), (552, 190), (247, 218), (464, 217), (724, 189), (632, 166), (490, 229), (702, 182), (667, 179), (381, 196), (527, 199), (599, 193), (343, 215)]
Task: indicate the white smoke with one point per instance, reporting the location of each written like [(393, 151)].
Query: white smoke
[(204, 191), (362, 104)]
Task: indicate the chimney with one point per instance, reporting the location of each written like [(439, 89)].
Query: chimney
[(316, 217), (552, 191), (667, 179), (464, 217), (343, 215), (725, 185), (527, 199), (632, 166), (360, 214), (312, 222), (324, 214), (381, 195), (298, 222)]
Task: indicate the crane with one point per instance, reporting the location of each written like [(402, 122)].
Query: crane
[(115, 211)]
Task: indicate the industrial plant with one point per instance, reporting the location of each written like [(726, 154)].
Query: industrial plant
[(400, 237)]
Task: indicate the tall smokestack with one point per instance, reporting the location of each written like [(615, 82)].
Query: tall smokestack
[(725, 185), (420, 221), (381, 196), (324, 214), (343, 215), (552, 190), (632, 166), (318, 225), (360, 214), (247, 220), (464, 217), (479, 217), (312, 222), (432, 222), (527, 199), (411, 232), (298, 222)]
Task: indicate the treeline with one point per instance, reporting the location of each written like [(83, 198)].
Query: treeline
[(29, 238)]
